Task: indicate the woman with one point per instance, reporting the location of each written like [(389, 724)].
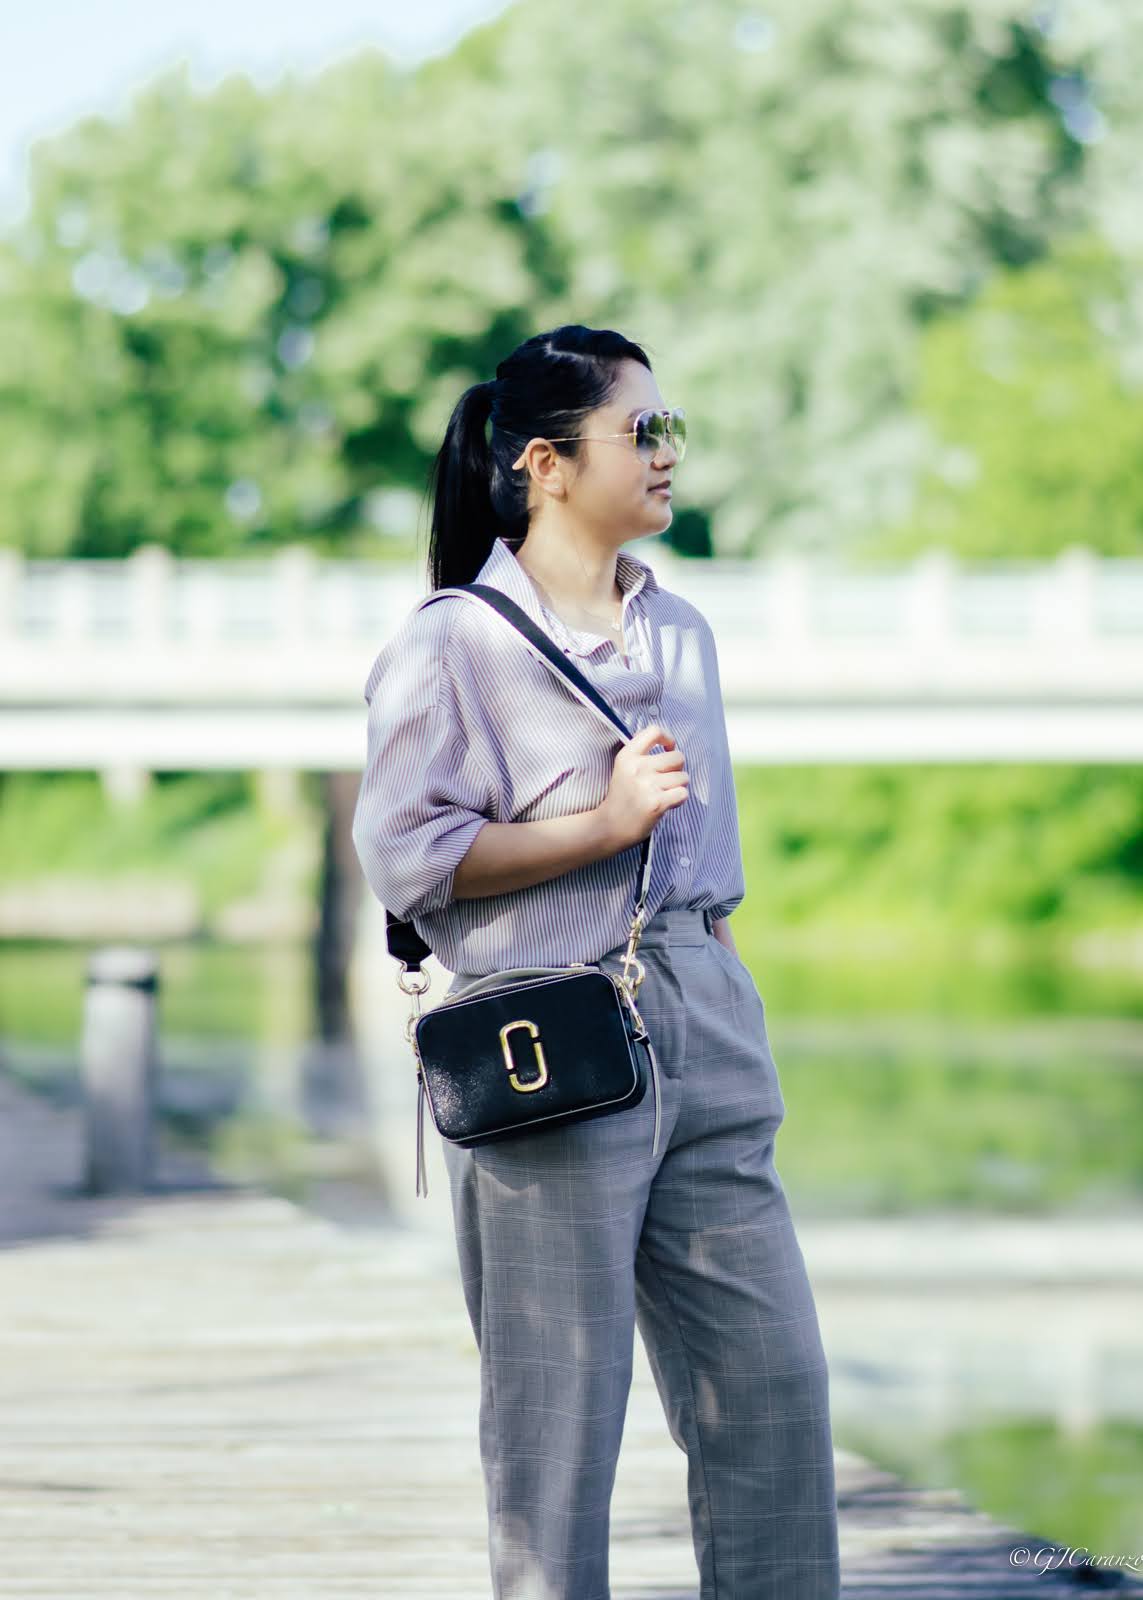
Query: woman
[(496, 816)]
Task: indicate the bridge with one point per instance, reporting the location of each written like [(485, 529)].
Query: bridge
[(158, 663)]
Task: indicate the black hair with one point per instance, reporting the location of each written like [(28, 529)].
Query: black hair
[(544, 389)]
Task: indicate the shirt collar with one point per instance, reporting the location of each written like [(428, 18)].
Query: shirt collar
[(502, 571)]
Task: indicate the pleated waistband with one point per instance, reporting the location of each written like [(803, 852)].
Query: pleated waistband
[(681, 925)]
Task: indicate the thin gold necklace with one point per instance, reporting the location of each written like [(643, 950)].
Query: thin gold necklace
[(615, 627)]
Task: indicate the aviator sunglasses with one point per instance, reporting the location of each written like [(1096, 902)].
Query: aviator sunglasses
[(649, 433)]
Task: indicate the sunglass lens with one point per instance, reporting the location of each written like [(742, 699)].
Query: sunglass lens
[(651, 428), (650, 431)]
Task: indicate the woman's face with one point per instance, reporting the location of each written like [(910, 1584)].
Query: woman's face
[(610, 487)]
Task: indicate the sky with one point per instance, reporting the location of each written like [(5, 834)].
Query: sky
[(63, 59)]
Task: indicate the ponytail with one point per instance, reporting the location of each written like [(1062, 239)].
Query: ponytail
[(460, 484)]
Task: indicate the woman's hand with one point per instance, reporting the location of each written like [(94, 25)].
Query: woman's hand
[(643, 787), (721, 930)]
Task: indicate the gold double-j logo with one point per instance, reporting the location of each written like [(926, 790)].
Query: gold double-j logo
[(533, 1034)]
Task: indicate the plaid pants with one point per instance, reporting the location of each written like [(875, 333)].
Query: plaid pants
[(570, 1238)]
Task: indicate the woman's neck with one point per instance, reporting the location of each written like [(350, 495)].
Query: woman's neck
[(575, 578)]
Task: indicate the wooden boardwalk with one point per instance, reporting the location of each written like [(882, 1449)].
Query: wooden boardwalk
[(210, 1394)]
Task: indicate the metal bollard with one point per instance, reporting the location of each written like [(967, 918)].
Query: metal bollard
[(119, 1066)]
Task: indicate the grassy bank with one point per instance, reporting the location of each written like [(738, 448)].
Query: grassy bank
[(889, 859), (837, 859), (214, 838)]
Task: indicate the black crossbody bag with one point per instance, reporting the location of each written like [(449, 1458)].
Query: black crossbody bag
[(530, 1047)]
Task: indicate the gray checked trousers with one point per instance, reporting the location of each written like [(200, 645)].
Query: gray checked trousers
[(570, 1238)]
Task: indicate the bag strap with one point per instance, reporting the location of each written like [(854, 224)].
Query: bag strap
[(403, 940)]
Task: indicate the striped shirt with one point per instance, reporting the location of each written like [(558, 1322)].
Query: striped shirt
[(466, 725)]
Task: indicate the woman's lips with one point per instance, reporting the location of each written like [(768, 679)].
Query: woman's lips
[(664, 490)]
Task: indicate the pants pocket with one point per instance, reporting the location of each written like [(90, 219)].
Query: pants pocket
[(736, 971)]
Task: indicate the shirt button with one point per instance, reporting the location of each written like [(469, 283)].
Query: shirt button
[(684, 861)]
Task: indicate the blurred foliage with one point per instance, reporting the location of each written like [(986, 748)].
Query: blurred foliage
[(936, 850), (948, 847), (202, 827), (1035, 395), (241, 317)]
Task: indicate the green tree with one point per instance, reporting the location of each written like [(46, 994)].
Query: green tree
[(237, 318), (1037, 414), (774, 200), (231, 319)]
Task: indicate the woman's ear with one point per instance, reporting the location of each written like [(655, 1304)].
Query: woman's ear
[(544, 466)]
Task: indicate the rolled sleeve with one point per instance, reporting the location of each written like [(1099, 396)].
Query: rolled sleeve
[(423, 799)]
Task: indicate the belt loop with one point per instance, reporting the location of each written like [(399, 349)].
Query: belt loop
[(708, 919)]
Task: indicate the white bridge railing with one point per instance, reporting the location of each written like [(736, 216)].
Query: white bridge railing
[(179, 663)]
